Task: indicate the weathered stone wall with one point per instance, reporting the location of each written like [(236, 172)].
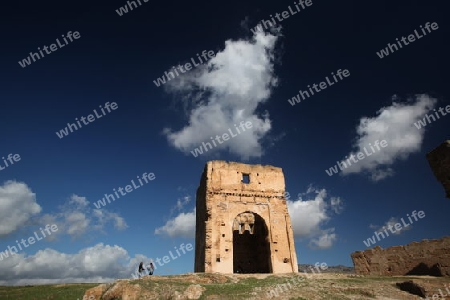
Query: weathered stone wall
[(439, 160), (226, 206), (428, 257)]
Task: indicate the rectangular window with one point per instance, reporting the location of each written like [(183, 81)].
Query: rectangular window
[(246, 178)]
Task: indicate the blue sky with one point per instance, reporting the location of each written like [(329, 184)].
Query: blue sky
[(250, 77)]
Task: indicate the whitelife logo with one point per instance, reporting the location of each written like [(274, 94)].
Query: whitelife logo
[(11, 157), (427, 119), (323, 85), (124, 9), (27, 61), (436, 296), (287, 286), (284, 15), (31, 241), (166, 259), (334, 170), (411, 38), (225, 137), (398, 227), (108, 197), (160, 81), (64, 132)]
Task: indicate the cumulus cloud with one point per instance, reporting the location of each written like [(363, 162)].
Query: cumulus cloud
[(104, 216), (76, 217), (77, 223), (17, 206), (225, 92), (309, 216), (391, 222), (324, 240), (395, 124), (182, 225), (100, 263), (19, 210)]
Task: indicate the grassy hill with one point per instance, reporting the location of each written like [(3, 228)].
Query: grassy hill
[(329, 286), (47, 292)]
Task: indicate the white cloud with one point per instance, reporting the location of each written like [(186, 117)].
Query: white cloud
[(77, 218), (325, 240), (391, 222), (17, 206), (225, 92), (77, 223), (336, 204), (104, 216), (395, 124), (79, 201), (182, 225), (100, 263), (182, 202), (19, 210), (308, 217)]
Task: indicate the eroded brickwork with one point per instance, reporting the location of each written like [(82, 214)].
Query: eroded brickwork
[(428, 257), (439, 160), (243, 225)]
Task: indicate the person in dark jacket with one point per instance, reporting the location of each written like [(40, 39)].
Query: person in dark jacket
[(141, 269)]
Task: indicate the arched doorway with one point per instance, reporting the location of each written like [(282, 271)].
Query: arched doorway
[(251, 248)]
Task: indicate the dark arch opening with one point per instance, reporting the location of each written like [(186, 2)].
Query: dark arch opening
[(251, 247)]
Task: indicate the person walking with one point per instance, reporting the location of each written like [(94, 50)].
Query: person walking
[(141, 269), (151, 269)]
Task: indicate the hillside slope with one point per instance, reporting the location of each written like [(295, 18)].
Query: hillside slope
[(330, 286)]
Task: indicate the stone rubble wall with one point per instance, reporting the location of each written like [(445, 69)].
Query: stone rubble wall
[(428, 257)]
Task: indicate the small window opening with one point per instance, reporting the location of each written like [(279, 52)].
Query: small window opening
[(246, 178)]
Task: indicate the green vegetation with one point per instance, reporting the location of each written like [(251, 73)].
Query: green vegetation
[(225, 287), (241, 289), (233, 290), (45, 292)]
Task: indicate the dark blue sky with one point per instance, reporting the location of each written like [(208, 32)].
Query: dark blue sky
[(117, 58)]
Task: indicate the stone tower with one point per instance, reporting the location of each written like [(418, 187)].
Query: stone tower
[(243, 225), (439, 160)]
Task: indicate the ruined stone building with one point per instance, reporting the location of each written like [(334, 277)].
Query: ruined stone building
[(428, 257), (439, 160), (243, 225)]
